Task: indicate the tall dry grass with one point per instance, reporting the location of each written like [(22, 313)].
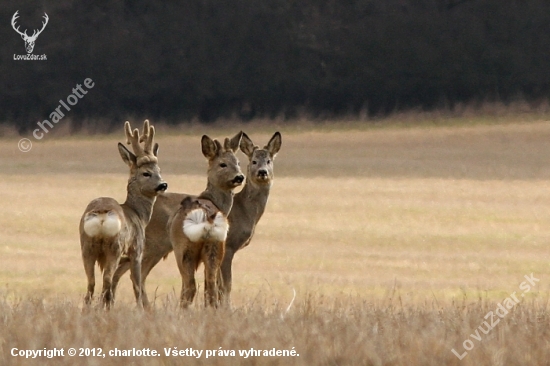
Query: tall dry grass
[(321, 330), (398, 241)]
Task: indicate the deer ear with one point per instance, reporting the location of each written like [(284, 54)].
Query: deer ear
[(247, 146), (274, 145), (129, 158), (156, 149), (233, 143), (209, 147)]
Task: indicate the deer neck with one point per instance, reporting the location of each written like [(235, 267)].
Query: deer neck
[(223, 199), (141, 206), (253, 198)]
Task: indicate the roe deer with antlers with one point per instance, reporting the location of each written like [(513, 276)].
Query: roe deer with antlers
[(249, 204), (29, 40), (109, 230), (224, 175)]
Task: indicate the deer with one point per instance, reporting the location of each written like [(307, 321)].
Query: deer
[(29, 40), (223, 177), (247, 209), (248, 205), (109, 230)]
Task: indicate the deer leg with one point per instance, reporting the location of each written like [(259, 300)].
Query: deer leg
[(123, 267), (186, 264), (146, 266), (89, 266), (135, 275), (111, 263), (212, 255), (225, 279)]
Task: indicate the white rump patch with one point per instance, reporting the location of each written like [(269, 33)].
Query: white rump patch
[(219, 227), (104, 225), (197, 227)]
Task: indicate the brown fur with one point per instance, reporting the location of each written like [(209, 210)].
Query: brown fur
[(224, 175), (144, 184), (219, 190), (189, 255), (189, 204), (249, 204)]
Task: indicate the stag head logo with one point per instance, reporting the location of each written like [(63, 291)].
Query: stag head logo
[(29, 40)]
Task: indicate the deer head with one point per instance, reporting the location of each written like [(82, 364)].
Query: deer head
[(144, 171), (260, 166), (29, 40), (223, 166)]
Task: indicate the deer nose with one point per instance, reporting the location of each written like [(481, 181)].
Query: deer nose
[(162, 187), (262, 172), (238, 179)]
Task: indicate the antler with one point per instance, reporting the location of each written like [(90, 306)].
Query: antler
[(13, 19), (145, 154), (35, 34)]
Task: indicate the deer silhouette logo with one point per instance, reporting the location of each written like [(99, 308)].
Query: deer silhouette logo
[(29, 40)]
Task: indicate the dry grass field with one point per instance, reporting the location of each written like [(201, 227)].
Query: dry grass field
[(398, 241)]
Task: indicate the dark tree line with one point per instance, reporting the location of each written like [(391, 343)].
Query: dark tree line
[(210, 58)]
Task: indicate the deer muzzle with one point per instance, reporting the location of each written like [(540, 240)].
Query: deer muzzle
[(162, 187), (239, 179)]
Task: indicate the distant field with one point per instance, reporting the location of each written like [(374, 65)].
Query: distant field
[(398, 224)]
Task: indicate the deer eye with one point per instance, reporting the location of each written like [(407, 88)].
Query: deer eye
[(269, 161), (223, 165), (146, 174), (254, 162)]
